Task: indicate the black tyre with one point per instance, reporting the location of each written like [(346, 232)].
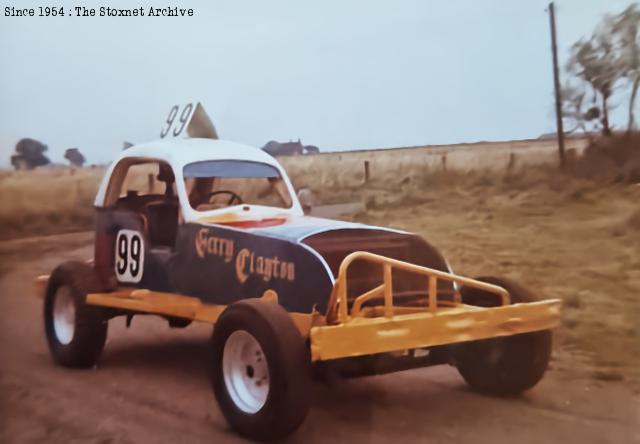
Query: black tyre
[(504, 366), (261, 370), (76, 332)]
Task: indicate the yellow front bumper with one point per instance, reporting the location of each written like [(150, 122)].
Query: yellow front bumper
[(364, 336)]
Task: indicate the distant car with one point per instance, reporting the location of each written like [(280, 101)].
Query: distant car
[(212, 231)]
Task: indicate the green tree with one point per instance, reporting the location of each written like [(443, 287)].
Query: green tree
[(606, 62), (594, 60), (625, 28), (577, 110)]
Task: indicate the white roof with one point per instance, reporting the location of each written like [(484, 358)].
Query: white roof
[(179, 152)]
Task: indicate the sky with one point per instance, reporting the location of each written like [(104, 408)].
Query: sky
[(335, 73)]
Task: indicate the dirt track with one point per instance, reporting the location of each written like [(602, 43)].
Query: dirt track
[(151, 386)]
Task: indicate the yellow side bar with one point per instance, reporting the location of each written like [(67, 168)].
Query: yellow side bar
[(147, 301), (187, 307), (364, 336)]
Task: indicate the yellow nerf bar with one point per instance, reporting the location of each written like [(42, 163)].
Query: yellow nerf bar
[(363, 336), (354, 332)]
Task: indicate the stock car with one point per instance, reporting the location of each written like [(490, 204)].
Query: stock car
[(212, 231)]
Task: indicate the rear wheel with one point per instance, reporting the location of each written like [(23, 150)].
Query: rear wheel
[(506, 365), (261, 371), (76, 332)]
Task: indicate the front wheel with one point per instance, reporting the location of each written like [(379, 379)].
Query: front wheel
[(261, 370), (508, 365), (76, 332)]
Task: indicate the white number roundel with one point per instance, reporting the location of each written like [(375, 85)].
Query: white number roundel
[(129, 260)]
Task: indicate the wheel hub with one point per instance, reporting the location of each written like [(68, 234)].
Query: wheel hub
[(64, 315), (245, 371)]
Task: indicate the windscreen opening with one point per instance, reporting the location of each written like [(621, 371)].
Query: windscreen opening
[(216, 184)]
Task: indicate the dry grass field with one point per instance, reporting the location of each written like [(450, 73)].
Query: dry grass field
[(58, 200), (348, 167), (47, 201)]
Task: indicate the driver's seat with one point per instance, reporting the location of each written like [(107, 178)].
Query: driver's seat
[(162, 218)]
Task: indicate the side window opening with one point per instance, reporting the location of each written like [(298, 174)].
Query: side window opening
[(148, 179), (148, 189)]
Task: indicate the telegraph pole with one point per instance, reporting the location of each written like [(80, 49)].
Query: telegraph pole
[(556, 85)]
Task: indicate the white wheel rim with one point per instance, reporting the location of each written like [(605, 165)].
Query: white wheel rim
[(246, 372), (64, 315)]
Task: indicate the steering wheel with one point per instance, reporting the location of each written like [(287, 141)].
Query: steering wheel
[(234, 196)]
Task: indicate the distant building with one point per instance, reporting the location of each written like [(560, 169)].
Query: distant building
[(291, 148)]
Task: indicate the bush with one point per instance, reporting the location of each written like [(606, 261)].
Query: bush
[(613, 159)]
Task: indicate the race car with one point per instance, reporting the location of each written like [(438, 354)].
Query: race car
[(201, 229)]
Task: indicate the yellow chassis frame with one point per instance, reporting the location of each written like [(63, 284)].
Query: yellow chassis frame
[(365, 330)]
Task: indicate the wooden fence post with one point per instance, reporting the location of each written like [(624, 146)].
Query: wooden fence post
[(512, 162)]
